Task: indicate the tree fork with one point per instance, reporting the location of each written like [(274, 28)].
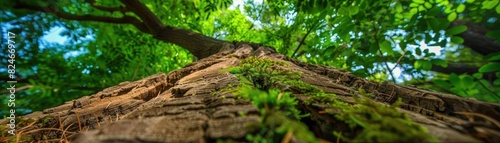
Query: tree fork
[(199, 45)]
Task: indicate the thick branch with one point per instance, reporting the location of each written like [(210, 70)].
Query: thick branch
[(475, 38), (122, 20), (199, 45), (152, 22)]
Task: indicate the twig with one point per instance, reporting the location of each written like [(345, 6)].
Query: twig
[(304, 38), (382, 54), (399, 60)]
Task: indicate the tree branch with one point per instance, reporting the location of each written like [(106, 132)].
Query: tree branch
[(382, 54), (303, 39), (199, 45), (63, 15), (152, 22)]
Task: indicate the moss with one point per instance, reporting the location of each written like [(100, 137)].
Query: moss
[(380, 123), (276, 126), (262, 81), (231, 55), (265, 83), (264, 73)]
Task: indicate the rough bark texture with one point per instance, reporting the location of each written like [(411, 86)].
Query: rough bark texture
[(180, 106)]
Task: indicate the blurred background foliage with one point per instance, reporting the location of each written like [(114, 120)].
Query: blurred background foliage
[(451, 46)]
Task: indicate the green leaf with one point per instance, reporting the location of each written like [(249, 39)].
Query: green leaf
[(445, 2), (434, 11), (495, 57), (386, 47), (414, 5), (469, 1), (353, 10), (426, 65), (457, 40), (413, 10), (456, 30), (433, 24), (421, 8), (494, 34), (419, 1), (489, 4), (440, 62), (491, 67), (442, 83), (460, 8), (466, 81), (344, 33), (478, 75), (448, 10), (428, 5), (498, 9), (452, 16), (454, 79), (443, 23), (417, 64), (399, 7), (496, 82), (418, 51), (343, 11)]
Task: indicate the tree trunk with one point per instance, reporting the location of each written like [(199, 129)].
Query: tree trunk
[(182, 107)]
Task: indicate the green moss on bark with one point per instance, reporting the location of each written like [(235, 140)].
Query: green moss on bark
[(266, 83)]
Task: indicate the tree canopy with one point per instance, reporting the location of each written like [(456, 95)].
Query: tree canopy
[(110, 42)]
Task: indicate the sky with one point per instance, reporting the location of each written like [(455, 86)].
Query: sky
[(54, 36)]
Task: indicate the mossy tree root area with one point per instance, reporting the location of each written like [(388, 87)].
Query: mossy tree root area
[(206, 102)]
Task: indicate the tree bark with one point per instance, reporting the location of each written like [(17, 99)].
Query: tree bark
[(181, 106)]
